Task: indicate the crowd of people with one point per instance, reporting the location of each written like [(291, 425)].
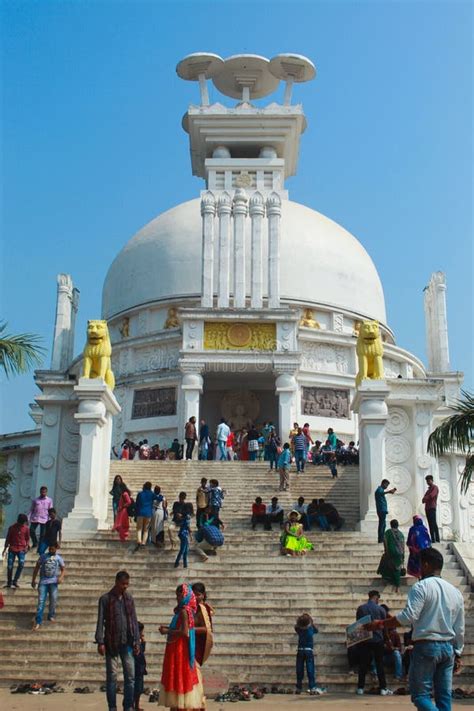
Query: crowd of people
[(434, 611), (251, 443), (49, 569), (392, 563), (431, 652), (157, 524)]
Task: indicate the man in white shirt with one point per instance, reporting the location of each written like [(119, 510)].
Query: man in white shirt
[(274, 514), (435, 609), (302, 509), (223, 431)]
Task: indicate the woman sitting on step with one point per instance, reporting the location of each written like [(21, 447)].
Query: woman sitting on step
[(292, 541)]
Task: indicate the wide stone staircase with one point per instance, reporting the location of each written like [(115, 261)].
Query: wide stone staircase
[(257, 594)]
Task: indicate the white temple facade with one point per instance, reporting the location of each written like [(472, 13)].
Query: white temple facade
[(244, 304)]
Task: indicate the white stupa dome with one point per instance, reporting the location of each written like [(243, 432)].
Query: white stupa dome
[(321, 264)]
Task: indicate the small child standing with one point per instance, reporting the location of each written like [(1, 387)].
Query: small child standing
[(140, 668), (184, 534), (306, 630)]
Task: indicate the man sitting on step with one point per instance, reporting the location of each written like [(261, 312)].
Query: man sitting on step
[(259, 512), (274, 514), (331, 514), (302, 509)]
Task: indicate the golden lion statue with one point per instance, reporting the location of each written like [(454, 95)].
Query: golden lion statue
[(369, 352), (97, 353)]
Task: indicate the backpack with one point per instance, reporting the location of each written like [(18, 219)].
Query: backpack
[(49, 567)]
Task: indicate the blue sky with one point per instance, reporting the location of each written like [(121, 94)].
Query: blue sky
[(93, 146)]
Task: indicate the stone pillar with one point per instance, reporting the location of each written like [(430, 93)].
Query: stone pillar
[(74, 310), (97, 405), (371, 406), (66, 307), (191, 387), (208, 211), (240, 213), (257, 211), (437, 324), (274, 229), (224, 208), (286, 388)]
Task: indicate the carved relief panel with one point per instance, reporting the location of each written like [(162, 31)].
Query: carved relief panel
[(325, 402)]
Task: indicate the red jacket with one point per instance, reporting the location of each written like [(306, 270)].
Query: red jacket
[(18, 537)]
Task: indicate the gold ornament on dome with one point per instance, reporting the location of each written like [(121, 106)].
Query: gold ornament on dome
[(244, 180), (308, 321), (225, 336), (172, 320)]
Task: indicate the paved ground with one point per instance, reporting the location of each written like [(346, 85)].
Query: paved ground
[(336, 702)]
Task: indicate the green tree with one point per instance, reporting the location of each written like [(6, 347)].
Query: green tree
[(455, 434), (18, 354)]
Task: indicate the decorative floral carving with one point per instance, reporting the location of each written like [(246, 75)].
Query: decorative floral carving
[(47, 461), (398, 420), (398, 449), (27, 462), (400, 508), (444, 490), (424, 461), (446, 515), (399, 477)]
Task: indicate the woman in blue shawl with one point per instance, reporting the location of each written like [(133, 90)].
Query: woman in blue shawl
[(418, 539), (181, 681)]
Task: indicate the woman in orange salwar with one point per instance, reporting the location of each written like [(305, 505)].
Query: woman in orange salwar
[(122, 522), (181, 682)]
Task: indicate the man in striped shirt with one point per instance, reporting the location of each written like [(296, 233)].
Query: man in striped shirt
[(299, 447)]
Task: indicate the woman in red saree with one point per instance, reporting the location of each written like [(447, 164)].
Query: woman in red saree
[(181, 682), (203, 622), (122, 522)]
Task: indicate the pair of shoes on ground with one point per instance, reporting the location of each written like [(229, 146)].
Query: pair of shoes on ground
[(383, 692)]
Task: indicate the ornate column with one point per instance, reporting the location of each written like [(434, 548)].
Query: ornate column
[(371, 406), (257, 211), (274, 229), (240, 213), (97, 405), (286, 388), (191, 388), (224, 209), (208, 211), (66, 307)]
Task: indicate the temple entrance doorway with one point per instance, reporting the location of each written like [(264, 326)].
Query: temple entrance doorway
[(241, 398)]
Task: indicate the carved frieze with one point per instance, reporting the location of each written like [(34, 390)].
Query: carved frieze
[(324, 358), (325, 402), (239, 336), (154, 402)]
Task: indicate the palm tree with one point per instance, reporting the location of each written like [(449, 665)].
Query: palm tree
[(19, 353), (456, 434)]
